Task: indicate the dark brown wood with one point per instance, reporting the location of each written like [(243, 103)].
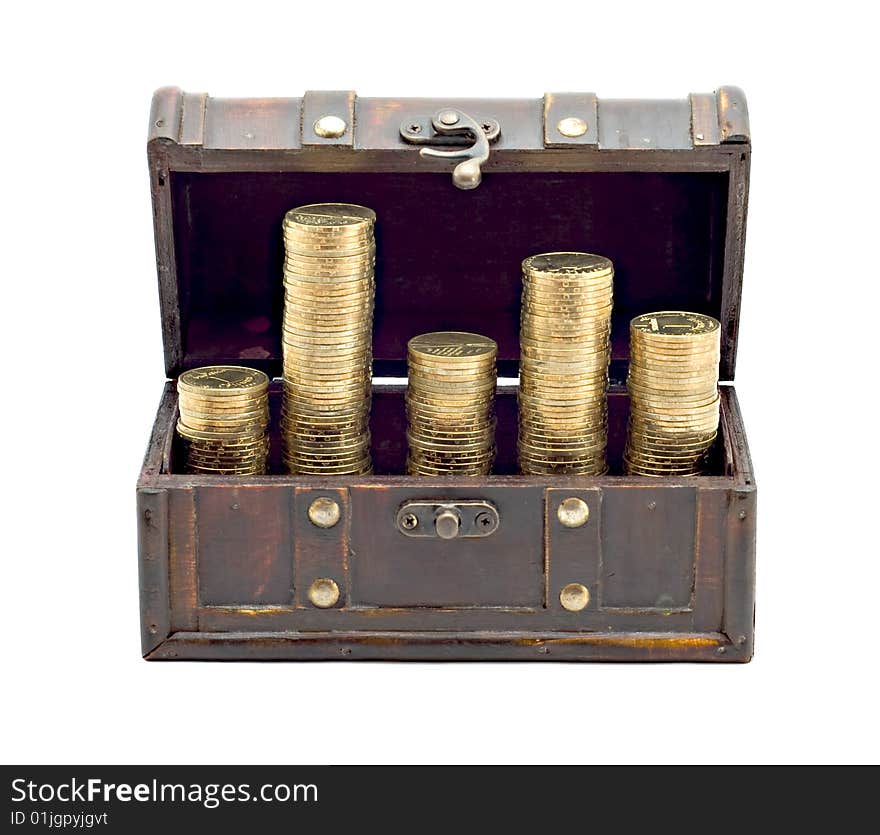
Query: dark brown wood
[(734, 253), (152, 507), (226, 563), (183, 568), (443, 646)]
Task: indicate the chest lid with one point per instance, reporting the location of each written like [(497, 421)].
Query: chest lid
[(658, 186)]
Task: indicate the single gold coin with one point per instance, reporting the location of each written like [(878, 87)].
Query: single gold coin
[(334, 215), (567, 262), (223, 380), (454, 346), (675, 324)]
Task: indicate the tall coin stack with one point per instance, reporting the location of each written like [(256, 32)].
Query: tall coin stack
[(673, 392), (224, 417), (450, 404), (565, 331), (329, 288)]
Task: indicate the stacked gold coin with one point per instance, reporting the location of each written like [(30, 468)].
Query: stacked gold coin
[(565, 332), (673, 392), (224, 417), (450, 404), (329, 290)]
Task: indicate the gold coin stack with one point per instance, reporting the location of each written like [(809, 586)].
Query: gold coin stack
[(450, 404), (565, 332), (329, 288), (673, 393), (224, 417)]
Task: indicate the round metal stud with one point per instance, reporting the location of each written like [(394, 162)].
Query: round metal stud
[(574, 597), (324, 512), (448, 118), (573, 512), (324, 593), (330, 127), (572, 127), (447, 523)]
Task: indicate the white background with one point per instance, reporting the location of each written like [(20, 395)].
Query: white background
[(81, 343)]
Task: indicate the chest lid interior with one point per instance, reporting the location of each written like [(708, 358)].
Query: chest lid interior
[(660, 187)]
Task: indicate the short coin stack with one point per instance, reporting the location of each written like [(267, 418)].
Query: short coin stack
[(450, 404), (224, 416), (673, 392), (564, 351), (329, 288)]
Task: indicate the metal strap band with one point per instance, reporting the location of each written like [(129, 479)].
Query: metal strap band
[(328, 105), (570, 119)]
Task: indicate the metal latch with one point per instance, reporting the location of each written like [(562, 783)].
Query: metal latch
[(448, 519), (468, 138)]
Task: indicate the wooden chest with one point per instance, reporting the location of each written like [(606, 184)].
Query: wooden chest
[(226, 563)]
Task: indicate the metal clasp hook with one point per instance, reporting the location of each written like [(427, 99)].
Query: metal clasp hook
[(454, 128)]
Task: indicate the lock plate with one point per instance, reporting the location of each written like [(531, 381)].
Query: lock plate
[(459, 519)]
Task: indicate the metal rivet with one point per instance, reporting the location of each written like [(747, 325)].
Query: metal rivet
[(574, 597), (330, 127), (572, 127), (324, 593), (573, 512), (448, 117), (324, 512), (742, 514)]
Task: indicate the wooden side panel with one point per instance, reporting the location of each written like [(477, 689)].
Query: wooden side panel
[(244, 547), (712, 510), (739, 578), (734, 255), (152, 507), (183, 579), (648, 547)]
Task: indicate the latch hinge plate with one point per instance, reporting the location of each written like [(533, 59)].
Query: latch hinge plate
[(457, 136)]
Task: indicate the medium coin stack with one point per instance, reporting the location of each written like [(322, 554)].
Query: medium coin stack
[(329, 288), (673, 392), (565, 332), (450, 404), (224, 417)]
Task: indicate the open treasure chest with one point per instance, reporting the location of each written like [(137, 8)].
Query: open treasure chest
[(397, 559)]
